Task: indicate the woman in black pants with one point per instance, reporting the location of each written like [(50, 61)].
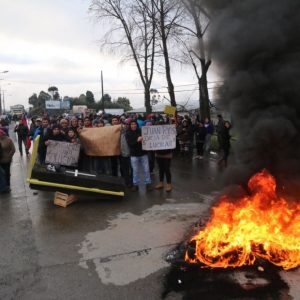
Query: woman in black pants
[(225, 143), (163, 158)]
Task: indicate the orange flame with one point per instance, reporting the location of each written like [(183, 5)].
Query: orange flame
[(262, 225)]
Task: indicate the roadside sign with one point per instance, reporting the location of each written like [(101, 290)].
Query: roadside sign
[(52, 104)]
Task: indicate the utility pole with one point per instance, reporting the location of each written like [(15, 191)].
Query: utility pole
[(3, 102), (2, 72), (0, 102), (102, 92)]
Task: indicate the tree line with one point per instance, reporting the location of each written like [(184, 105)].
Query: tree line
[(38, 102)]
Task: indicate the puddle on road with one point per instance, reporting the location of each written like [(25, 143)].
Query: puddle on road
[(134, 246)]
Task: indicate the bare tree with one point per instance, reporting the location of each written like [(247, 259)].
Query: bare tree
[(169, 13), (196, 25), (133, 28)]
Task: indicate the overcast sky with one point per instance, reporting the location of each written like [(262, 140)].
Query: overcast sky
[(54, 42)]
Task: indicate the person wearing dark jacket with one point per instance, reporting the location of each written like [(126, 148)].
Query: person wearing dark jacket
[(209, 132), (200, 133), (184, 135), (4, 126), (44, 132), (225, 143), (138, 156), (35, 123), (164, 158), (22, 132), (219, 129), (7, 150), (55, 135)]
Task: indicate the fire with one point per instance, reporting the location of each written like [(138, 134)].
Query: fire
[(261, 225)]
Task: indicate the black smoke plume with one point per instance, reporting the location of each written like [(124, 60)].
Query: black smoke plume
[(256, 45)]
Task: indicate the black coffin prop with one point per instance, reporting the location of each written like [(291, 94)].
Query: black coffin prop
[(65, 179)]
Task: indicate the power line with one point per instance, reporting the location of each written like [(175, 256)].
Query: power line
[(110, 90), (179, 91)]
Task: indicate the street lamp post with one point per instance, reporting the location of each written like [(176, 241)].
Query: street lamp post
[(3, 106), (0, 102), (102, 93), (0, 92), (3, 100)]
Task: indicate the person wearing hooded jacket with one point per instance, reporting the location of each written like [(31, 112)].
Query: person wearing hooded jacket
[(225, 143), (7, 150), (43, 131), (55, 135), (138, 156), (22, 132)]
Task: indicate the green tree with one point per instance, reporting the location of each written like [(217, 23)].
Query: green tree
[(89, 97), (106, 98), (39, 102), (56, 96), (78, 101), (82, 98), (53, 90), (42, 98), (104, 101), (124, 103), (33, 100)]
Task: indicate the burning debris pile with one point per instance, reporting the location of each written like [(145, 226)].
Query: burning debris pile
[(255, 47), (260, 225)]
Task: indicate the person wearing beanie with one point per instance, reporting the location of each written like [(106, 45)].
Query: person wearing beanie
[(55, 135), (4, 126)]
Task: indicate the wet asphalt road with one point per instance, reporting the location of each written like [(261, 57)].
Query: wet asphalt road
[(96, 248)]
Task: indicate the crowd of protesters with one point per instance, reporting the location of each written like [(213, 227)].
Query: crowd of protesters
[(190, 133)]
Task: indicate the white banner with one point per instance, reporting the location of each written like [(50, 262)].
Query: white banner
[(62, 153), (52, 104), (79, 109), (159, 137)]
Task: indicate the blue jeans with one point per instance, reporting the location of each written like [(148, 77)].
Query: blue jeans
[(143, 161), (207, 143)]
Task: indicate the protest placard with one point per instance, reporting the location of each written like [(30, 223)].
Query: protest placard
[(159, 137), (170, 110), (101, 141), (62, 153)]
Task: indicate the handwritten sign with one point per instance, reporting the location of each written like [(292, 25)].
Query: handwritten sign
[(62, 153), (170, 110), (159, 137)]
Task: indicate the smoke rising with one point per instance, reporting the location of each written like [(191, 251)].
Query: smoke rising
[(256, 46)]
